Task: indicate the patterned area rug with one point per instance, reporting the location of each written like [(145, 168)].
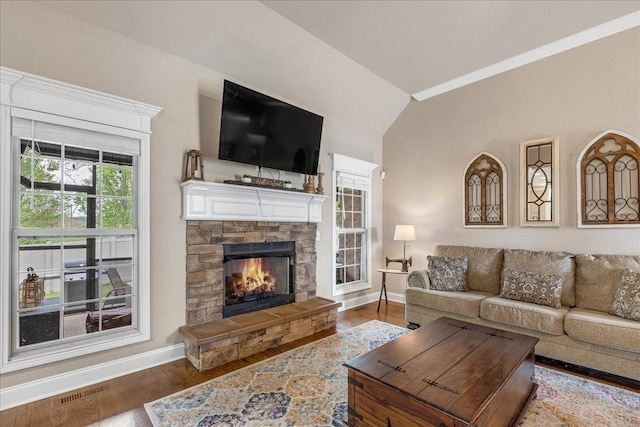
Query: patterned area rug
[(307, 386)]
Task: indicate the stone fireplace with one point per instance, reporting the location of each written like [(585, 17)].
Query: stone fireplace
[(205, 260), (206, 281), (249, 247)]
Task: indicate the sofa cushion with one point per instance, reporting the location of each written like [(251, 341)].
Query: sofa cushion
[(626, 303), (462, 303), (598, 277), (484, 266), (600, 328), (532, 287), (447, 273), (556, 263), (524, 315)]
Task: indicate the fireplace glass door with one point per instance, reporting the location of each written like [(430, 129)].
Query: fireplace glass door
[(257, 276)]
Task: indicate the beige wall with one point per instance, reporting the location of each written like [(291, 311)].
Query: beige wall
[(575, 95), (39, 40)]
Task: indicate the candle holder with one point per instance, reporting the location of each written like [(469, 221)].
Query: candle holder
[(320, 189), (308, 185)]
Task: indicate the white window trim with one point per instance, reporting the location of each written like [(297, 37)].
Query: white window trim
[(359, 170), (90, 110)]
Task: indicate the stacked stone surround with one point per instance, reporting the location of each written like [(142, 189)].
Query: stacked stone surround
[(205, 284), (209, 339)]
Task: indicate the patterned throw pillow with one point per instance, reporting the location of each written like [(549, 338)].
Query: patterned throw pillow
[(448, 274), (532, 287), (627, 300)]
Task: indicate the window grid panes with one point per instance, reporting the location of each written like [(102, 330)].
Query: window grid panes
[(75, 242), (352, 235)]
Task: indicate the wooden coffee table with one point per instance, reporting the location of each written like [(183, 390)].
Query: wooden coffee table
[(446, 373)]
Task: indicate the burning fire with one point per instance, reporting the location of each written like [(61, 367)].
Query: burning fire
[(254, 278)]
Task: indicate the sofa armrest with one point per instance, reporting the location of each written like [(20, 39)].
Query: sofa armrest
[(418, 279)]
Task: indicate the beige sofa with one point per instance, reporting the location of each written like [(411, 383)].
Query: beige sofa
[(581, 331)]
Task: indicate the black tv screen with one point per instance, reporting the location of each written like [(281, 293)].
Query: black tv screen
[(259, 130)]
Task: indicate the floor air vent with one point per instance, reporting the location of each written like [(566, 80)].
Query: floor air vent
[(76, 396)]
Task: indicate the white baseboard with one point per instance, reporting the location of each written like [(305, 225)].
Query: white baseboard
[(39, 389), (366, 299)]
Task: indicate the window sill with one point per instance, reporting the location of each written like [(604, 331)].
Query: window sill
[(63, 351), (350, 287)]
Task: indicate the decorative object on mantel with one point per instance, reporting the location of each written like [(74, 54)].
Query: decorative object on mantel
[(405, 233), (193, 168), (309, 184), (287, 183), (320, 189), (267, 182), (246, 179)]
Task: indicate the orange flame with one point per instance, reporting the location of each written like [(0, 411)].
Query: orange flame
[(254, 277)]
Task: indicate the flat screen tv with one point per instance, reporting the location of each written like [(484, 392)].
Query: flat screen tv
[(259, 130)]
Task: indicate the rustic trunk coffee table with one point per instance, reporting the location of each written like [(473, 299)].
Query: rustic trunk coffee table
[(446, 373)]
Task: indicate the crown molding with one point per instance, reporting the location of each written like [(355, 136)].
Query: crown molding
[(587, 36)]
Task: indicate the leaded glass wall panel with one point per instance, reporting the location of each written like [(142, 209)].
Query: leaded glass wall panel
[(485, 193), (609, 181), (539, 171)]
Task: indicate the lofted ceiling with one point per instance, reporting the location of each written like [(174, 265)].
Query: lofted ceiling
[(423, 48), (423, 45)]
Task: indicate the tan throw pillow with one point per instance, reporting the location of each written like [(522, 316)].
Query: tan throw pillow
[(536, 288), (627, 300), (448, 274)]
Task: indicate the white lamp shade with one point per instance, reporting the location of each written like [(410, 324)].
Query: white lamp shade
[(405, 232)]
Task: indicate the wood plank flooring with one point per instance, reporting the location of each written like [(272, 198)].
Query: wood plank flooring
[(118, 402)]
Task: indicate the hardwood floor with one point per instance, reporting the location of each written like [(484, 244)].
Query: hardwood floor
[(118, 402)]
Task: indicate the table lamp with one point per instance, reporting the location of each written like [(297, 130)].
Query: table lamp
[(405, 233)]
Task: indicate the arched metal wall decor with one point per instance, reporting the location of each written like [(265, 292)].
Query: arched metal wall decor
[(485, 192), (609, 181), (539, 184)]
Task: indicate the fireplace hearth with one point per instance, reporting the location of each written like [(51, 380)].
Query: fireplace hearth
[(257, 276)]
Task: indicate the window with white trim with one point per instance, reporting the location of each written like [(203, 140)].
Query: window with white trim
[(76, 280), (351, 223)]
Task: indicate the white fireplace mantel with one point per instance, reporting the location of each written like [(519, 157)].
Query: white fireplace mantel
[(202, 200)]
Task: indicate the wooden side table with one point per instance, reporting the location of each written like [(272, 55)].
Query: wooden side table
[(384, 272)]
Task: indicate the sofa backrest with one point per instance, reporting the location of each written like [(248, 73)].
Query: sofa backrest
[(484, 265), (542, 262), (598, 277)]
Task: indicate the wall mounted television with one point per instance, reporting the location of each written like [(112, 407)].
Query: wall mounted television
[(259, 130)]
